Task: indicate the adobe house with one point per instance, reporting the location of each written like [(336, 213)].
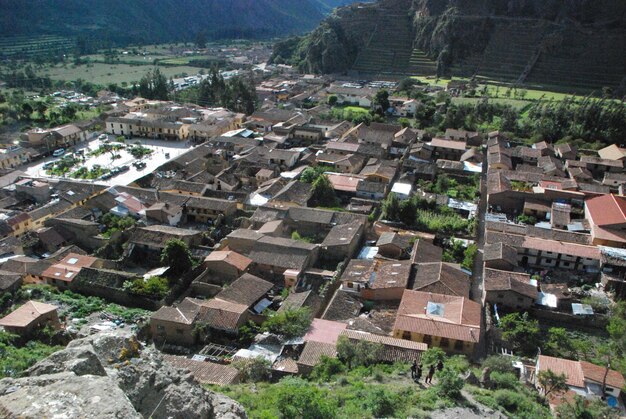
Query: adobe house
[(30, 316)]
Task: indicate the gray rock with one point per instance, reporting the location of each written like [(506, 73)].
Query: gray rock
[(64, 395), (81, 360), (109, 375), (471, 379)]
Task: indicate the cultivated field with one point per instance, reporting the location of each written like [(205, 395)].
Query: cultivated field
[(100, 73)]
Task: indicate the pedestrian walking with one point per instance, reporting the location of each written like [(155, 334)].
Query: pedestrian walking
[(418, 374), (413, 369), (429, 377)]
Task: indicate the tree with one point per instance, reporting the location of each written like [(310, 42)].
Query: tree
[(297, 398), (253, 370), (559, 343), (201, 39), (27, 110), (289, 323), (581, 408), (332, 100), (381, 102), (551, 382), (432, 356), (407, 212), (449, 383), (176, 254), (323, 194), (326, 369), (69, 111), (521, 332), (361, 353), (499, 363), (391, 207), (41, 107)]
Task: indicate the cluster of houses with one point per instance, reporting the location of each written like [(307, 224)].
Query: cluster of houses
[(554, 221)]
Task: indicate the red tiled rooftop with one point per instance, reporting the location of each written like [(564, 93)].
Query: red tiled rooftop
[(325, 331)]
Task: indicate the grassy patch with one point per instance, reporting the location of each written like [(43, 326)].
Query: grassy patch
[(101, 73), (15, 360)]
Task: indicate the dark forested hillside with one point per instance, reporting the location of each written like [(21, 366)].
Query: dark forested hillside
[(576, 43), (135, 21)]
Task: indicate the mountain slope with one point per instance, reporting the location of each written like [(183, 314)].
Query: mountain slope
[(572, 43), (122, 21)]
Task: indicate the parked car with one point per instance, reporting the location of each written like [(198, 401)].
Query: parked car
[(58, 152), (102, 137), (48, 165), (139, 165), (123, 169), (106, 176)]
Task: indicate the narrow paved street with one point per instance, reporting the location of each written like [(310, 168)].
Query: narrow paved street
[(477, 273)]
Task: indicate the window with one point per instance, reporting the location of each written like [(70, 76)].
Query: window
[(458, 345), (500, 296), (445, 342), (427, 339), (406, 335)]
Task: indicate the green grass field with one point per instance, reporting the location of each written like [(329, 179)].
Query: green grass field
[(496, 90), (100, 73)]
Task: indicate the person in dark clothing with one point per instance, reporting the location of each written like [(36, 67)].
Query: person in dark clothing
[(429, 377), (440, 365), (418, 373), (413, 369)]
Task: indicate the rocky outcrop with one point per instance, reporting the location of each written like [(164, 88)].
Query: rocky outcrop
[(109, 375), (64, 395)]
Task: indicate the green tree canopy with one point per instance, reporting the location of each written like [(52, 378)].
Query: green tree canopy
[(296, 398), (289, 323), (521, 332), (177, 256), (323, 193)]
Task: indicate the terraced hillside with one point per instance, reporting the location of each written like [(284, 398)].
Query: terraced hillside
[(389, 49), (577, 45), (511, 48)]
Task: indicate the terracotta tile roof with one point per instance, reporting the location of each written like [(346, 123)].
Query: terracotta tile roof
[(287, 365), (394, 350), (232, 258), (313, 352), (612, 152), (390, 274), (496, 280), (596, 373), (26, 314), (343, 234), (448, 144), (325, 331), (460, 317), (206, 372), (66, 269), (572, 369), (607, 210), (500, 251), (343, 306), (246, 290), (563, 248), (222, 315), (185, 313), (344, 182), (442, 278), (425, 252)]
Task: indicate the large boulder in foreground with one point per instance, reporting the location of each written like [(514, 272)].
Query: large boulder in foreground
[(110, 375), (64, 395)]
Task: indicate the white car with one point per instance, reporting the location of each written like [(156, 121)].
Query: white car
[(59, 152), (103, 137)]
